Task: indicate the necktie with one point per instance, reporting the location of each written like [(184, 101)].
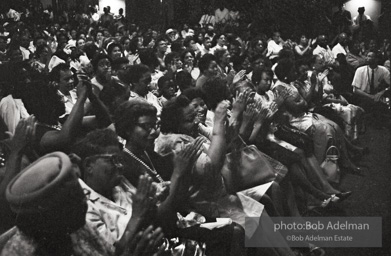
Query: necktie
[(372, 82)]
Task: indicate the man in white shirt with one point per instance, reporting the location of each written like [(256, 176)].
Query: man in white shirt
[(63, 79), (324, 50), (221, 15), (370, 81), (342, 46), (139, 77)]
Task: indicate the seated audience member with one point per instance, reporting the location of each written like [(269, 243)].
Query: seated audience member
[(353, 57), (274, 47), (167, 89), (102, 69), (139, 78), (12, 108), (341, 46), (115, 208), (63, 80), (370, 82), (51, 210), (208, 68), (324, 50)]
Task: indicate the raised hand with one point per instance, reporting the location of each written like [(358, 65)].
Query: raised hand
[(144, 197), (239, 76), (24, 134), (187, 156), (240, 101), (147, 243)]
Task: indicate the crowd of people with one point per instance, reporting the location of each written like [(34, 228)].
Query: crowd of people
[(122, 140)]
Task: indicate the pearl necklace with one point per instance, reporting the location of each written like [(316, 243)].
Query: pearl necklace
[(153, 171)]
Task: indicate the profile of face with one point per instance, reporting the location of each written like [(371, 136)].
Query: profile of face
[(264, 84), (277, 37), (207, 43), (141, 86), (370, 58), (302, 71), (303, 40), (66, 82), (201, 109), (104, 170), (189, 121), (144, 132), (225, 59), (294, 103)]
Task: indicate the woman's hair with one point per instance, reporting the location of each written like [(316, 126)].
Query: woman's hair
[(184, 80), (97, 58), (110, 93), (257, 74), (134, 73), (216, 90), (127, 114), (187, 40), (172, 114), (193, 93), (215, 38), (205, 61), (284, 68), (44, 102)]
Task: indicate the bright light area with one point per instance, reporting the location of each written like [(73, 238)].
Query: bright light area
[(114, 4), (372, 8)]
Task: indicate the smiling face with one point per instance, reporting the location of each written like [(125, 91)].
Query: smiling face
[(201, 109), (212, 69), (116, 53)]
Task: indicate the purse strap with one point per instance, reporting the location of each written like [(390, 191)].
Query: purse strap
[(331, 147)]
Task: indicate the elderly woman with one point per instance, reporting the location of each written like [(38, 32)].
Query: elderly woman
[(51, 212)]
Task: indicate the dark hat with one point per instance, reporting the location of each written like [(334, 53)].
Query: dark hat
[(42, 184)]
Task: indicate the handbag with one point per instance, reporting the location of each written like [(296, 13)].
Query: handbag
[(295, 137), (248, 167), (330, 165)]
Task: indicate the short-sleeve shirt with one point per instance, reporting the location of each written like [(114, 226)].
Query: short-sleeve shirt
[(363, 75)]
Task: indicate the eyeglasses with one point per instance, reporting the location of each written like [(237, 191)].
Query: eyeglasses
[(149, 126), (115, 159)]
